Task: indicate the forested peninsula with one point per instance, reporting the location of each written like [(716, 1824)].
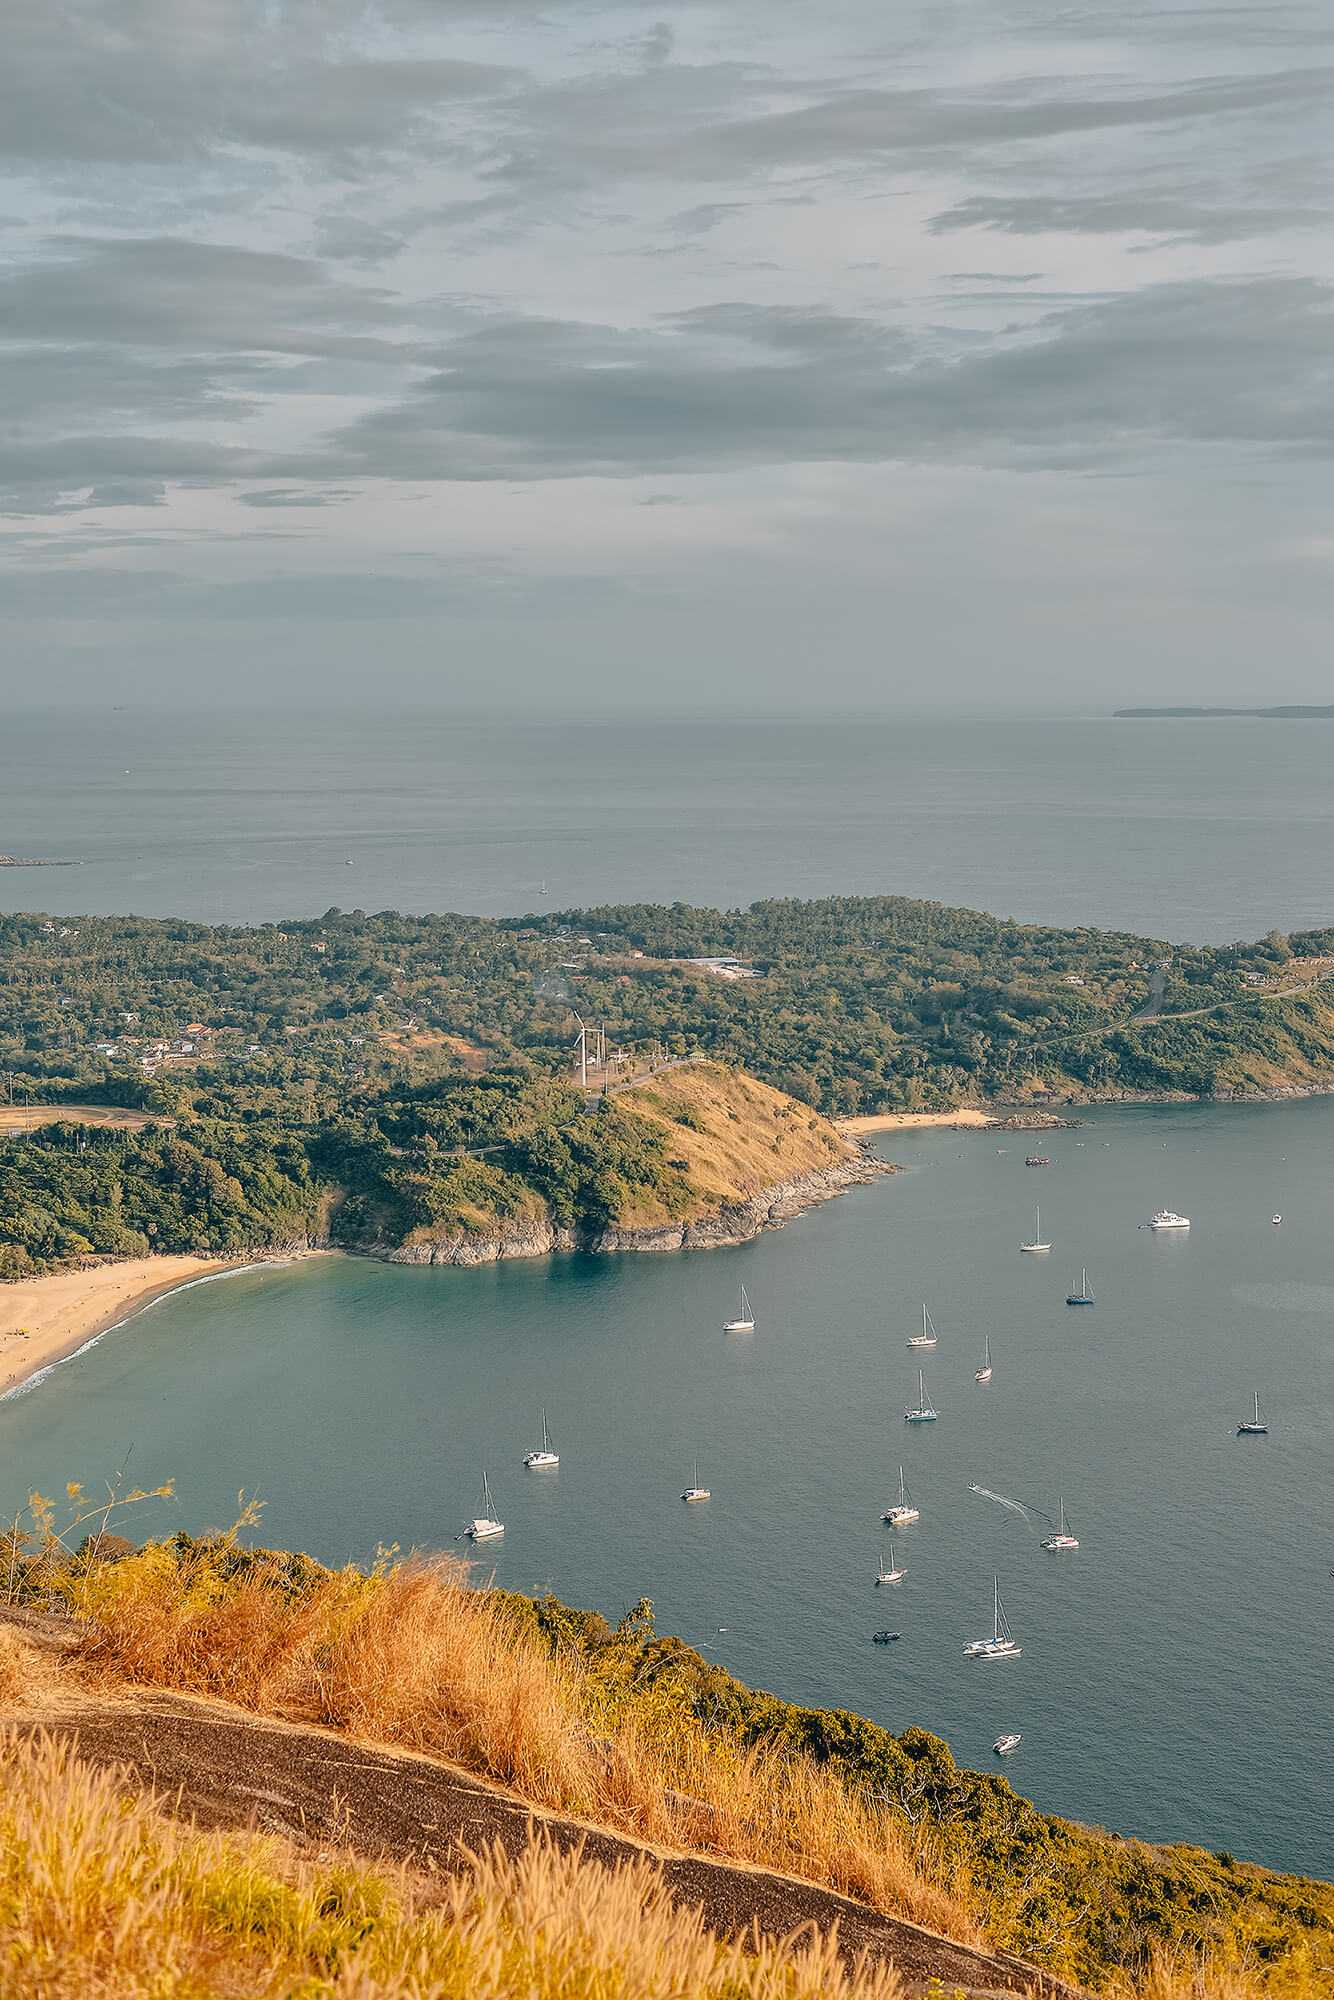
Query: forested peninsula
[(416, 1086)]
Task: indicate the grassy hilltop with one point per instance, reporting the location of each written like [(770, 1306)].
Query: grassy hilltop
[(632, 1733), (393, 1080)]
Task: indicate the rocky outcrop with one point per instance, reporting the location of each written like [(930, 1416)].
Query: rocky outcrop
[(735, 1222)]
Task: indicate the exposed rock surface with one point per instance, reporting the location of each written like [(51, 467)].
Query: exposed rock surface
[(734, 1222)]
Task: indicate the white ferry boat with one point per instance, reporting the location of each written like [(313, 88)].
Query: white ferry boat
[(486, 1527), (904, 1509), (1167, 1218)]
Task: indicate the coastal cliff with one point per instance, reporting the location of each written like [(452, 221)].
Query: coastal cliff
[(742, 1157)]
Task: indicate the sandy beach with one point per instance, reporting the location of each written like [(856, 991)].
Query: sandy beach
[(903, 1121), (44, 1319)]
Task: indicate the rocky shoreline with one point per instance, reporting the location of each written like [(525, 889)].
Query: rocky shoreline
[(735, 1222)]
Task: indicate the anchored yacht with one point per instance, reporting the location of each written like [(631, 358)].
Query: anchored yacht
[(745, 1317), (927, 1337), (983, 1374), (923, 1414), (1037, 1243), (904, 1509), (1167, 1218), (1083, 1297), (1000, 1646), (1255, 1426), (1062, 1539), (543, 1460), (485, 1528), (696, 1491), (893, 1574)]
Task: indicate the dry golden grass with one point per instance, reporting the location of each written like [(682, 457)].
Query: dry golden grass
[(417, 1659), (102, 1894), (746, 1136)]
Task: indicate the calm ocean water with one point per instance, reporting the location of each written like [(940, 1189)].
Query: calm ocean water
[(1184, 830), (1175, 1677)]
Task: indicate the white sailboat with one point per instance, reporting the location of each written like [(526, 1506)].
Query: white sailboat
[(486, 1527), (904, 1509), (541, 1461), (745, 1319), (1000, 1646), (893, 1574), (1037, 1243), (927, 1337), (1061, 1539), (983, 1374), (923, 1414), (696, 1491), (1255, 1426)]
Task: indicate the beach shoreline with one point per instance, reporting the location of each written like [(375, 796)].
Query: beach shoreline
[(908, 1121), (48, 1318)]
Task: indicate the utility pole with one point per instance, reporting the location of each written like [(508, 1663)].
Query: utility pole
[(583, 1051)]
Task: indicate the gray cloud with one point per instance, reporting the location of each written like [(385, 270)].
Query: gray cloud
[(1202, 363), (1179, 215)]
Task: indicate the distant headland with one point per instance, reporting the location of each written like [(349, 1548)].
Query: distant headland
[(1270, 714)]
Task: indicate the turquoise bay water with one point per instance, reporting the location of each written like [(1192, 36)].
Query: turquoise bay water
[(1175, 1677)]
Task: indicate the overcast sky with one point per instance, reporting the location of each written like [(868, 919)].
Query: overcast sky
[(869, 351)]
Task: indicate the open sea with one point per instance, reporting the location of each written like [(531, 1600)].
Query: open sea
[(1175, 1680)]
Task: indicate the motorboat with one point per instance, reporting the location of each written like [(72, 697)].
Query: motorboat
[(696, 1491), (1037, 1243), (1255, 1426), (1083, 1297), (1167, 1218), (927, 1337), (884, 1638), (545, 1459), (486, 1527), (1000, 1646), (904, 1508), (1278, 1218), (983, 1374), (1061, 1540), (1037, 1160), (1005, 1744), (923, 1414), (745, 1318), (893, 1574)]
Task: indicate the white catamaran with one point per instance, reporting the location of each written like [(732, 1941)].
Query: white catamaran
[(904, 1509), (486, 1527), (927, 1337), (696, 1491), (745, 1318), (543, 1460), (983, 1374), (923, 1414), (1037, 1243), (1000, 1646), (1061, 1539)]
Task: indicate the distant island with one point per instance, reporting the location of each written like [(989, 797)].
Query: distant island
[(1296, 714)]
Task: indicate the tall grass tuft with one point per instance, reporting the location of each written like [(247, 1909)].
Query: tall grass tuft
[(414, 1657), (101, 1893)]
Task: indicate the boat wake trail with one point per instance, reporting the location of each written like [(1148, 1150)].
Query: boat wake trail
[(1019, 1506)]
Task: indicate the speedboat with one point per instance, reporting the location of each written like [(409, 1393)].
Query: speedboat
[(1000, 1646), (486, 1527), (1005, 1744), (1037, 1160), (546, 1458), (884, 1638), (1167, 1218), (696, 1492), (1061, 1540), (1278, 1218), (904, 1509)]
